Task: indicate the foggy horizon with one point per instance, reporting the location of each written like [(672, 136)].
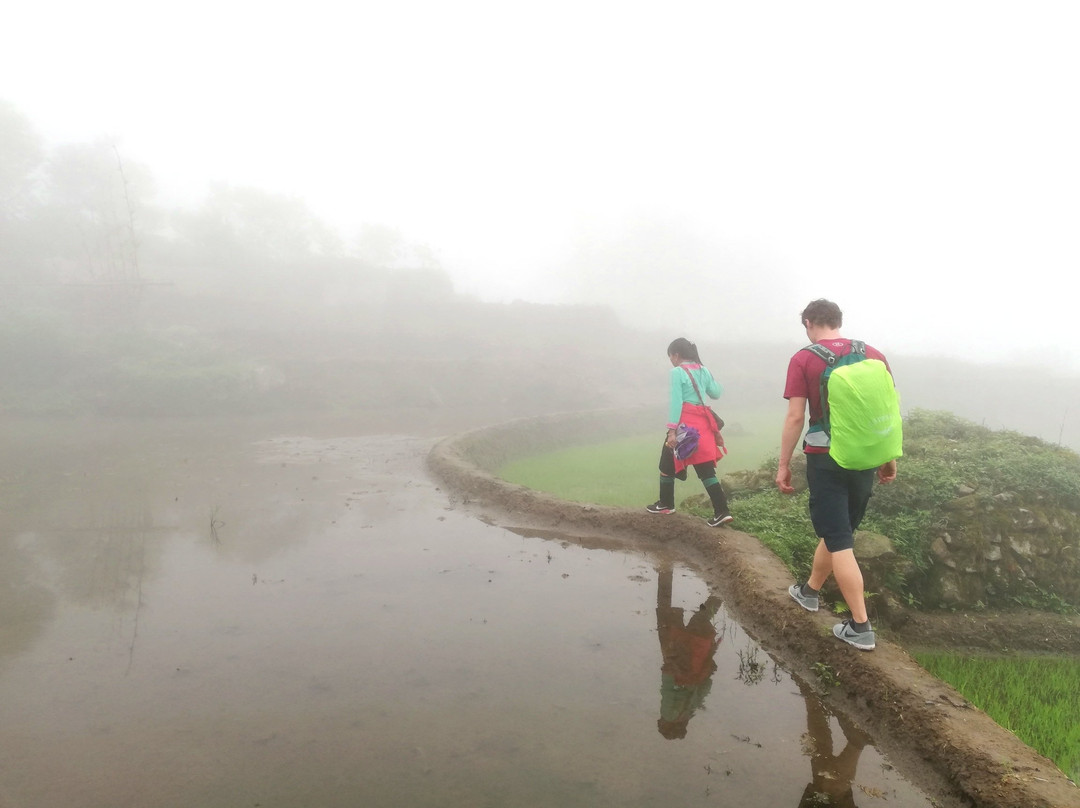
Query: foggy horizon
[(705, 171)]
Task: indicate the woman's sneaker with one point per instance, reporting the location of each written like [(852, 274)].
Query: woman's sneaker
[(719, 519), (863, 640), (808, 602), (659, 507)]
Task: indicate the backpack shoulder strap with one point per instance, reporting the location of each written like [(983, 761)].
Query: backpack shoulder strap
[(822, 353), (858, 346)]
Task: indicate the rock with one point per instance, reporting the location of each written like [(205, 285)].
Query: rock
[(950, 590), (747, 482), (966, 504), (1022, 549), (1025, 519), (938, 548), (869, 545), (880, 566)]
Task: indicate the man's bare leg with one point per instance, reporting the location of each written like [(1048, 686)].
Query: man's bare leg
[(822, 568), (849, 578), (843, 566)]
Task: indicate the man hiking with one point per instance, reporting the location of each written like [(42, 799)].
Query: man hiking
[(838, 493)]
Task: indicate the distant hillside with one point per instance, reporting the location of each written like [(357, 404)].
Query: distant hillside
[(417, 344)]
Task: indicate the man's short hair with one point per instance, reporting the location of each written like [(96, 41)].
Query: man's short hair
[(822, 312)]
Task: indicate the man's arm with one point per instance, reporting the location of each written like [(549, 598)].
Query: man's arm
[(789, 437)]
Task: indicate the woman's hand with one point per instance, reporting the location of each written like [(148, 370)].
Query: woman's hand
[(671, 442)]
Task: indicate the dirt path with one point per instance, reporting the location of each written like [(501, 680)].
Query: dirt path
[(940, 740)]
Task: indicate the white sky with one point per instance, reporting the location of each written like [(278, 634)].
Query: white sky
[(705, 167)]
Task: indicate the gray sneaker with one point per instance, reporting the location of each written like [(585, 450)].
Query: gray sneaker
[(863, 640), (808, 603)]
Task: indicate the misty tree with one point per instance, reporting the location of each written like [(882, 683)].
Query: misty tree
[(21, 155), (70, 213), (386, 247), (250, 223), (96, 204), (252, 241)]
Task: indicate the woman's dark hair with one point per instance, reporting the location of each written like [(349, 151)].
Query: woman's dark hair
[(822, 312), (684, 348)]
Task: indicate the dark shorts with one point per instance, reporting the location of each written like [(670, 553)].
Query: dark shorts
[(838, 499)]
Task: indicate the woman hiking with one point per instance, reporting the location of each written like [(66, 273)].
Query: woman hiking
[(690, 382)]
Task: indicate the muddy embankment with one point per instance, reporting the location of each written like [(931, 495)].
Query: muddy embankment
[(931, 733)]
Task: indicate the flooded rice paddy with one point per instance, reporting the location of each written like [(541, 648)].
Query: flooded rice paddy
[(208, 614)]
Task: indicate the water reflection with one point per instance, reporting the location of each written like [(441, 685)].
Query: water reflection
[(508, 672), (687, 651), (26, 601), (831, 775)]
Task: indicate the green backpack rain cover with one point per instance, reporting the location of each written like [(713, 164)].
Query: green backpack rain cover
[(861, 408)]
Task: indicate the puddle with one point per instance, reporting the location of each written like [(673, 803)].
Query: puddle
[(199, 615)]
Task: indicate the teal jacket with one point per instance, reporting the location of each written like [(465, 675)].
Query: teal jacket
[(682, 391)]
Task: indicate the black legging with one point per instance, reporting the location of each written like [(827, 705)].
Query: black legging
[(667, 466), (705, 471)]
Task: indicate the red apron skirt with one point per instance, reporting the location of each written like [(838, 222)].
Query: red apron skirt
[(698, 417)]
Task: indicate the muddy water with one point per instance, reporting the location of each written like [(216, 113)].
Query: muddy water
[(217, 614)]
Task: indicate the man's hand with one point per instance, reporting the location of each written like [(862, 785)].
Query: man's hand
[(887, 472), (793, 427), (783, 480)]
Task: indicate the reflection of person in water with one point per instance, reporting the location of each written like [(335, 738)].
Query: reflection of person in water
[(686, 675), (831, 775)]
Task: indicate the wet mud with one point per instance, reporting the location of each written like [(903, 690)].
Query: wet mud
[(938, 739)]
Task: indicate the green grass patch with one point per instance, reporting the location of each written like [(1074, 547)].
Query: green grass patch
[(624, 472), (1034, 697), (782, 523), (612, 473)]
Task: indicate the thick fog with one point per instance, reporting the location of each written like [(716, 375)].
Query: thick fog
[(581, 182), (703, 167)]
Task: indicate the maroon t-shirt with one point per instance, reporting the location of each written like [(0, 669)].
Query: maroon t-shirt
[(804, 378)]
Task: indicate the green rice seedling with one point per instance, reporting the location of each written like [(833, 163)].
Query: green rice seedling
[(1034, 697), (624, 472), (612, 473)]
